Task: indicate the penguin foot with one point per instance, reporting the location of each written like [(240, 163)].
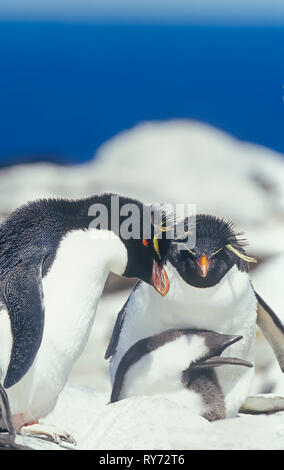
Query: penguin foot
[(48, 432), (263, 403)]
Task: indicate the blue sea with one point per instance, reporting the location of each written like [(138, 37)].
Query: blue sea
[(66, 88)]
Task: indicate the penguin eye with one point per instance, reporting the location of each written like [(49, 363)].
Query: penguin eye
[(145, 242), (182, 239), (190, 251), (215, 252)]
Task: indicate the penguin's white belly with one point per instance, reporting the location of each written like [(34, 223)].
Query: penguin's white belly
[(5, 341), (19, 395), (65, 334), (229, 307), (71, 292)]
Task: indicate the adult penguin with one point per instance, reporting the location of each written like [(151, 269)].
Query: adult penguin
[(210, 289), (55, 256)]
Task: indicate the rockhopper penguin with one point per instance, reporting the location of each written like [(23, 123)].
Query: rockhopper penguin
[(210, 289), (53, 266), (179, 365)]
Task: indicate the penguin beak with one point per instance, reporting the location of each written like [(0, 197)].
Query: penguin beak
[(222, 342), (160, 279), (217, 361), (203, 264)]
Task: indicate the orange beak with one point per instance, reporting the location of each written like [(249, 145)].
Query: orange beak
[(160, 279), (204, 265)]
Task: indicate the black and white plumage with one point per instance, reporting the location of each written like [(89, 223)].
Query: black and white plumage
[(53, 269), (180, 365), (210, 289)]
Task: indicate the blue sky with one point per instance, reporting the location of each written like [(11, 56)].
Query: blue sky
[(180, 10)]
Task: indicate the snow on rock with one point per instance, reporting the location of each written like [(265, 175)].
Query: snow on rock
[(76, 411), (249, 432), (159, 424), (189, 162), (135, 423), (194, 163)]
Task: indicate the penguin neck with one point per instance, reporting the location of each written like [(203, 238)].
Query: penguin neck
[(180, 289), (73, 287)]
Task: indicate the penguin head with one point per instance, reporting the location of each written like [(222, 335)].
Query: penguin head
[(147, 255), (142, 228), (218, 247), (214, 345)]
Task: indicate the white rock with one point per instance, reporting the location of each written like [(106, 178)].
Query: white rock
[(158, 423), (264, 403)]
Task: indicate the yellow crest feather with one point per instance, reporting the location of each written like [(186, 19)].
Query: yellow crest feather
[(241, 255), (156, 246)]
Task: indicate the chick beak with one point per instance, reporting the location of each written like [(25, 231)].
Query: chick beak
[(160, 279), (204, 265)]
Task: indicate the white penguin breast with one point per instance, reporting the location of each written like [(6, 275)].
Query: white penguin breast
[(209, 307), (71, 289), (223, 308), (5, 341)]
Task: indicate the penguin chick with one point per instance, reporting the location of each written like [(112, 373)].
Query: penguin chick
[(210, 289), (53, 267), (179, 365)]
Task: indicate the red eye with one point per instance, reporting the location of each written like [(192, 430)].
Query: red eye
[(145, 242)]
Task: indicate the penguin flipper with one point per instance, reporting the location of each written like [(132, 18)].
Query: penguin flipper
[(118, 326), (130, 357), (272, 328), (116, 332), (23, 298)]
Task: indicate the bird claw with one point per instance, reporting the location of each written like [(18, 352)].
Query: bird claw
[(48, 432)]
